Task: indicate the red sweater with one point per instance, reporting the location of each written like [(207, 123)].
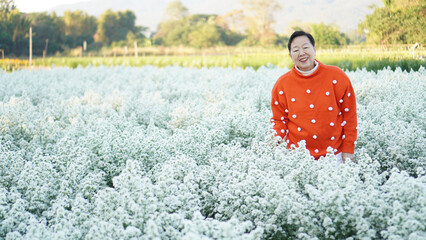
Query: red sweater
[(319, 108)]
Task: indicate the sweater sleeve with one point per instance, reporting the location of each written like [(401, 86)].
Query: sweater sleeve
[(279, 118), (348, 109)]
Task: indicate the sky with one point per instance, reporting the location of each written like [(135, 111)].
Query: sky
[(40, 5)]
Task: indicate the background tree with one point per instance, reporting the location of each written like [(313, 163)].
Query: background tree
[(328, 35), (233, 26), (79, 27), (259, 15), (17, 26), (50, 28), (115, 26), (14, 28), (175, 11), (174, 27), (204, 32), (399, 21), (233, 21), (7, 6)]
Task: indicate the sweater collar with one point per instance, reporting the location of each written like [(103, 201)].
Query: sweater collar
[(309, 72)]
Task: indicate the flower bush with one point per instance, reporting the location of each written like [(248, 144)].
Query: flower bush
[(183, 153)]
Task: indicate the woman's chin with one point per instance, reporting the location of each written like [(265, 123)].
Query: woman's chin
[(305, 66)]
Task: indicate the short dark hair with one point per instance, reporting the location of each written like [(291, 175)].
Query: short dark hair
[(298, 34)]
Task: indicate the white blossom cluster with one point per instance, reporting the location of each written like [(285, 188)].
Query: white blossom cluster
[(183, 153)]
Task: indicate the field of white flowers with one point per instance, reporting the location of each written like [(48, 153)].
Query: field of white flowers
[(184, 153)]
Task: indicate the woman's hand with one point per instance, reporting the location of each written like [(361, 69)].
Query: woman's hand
[(351, 156)]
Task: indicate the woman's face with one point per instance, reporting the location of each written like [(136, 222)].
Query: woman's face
[(302, 53)]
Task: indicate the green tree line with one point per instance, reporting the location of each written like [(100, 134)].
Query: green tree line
[(398, 22)]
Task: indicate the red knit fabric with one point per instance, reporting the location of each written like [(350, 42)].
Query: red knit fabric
[(319, 108)]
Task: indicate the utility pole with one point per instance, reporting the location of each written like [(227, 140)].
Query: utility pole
[(2, 57), (45, 48), (31, 45)]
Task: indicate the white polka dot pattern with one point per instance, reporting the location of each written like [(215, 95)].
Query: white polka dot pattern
[(281, 92)]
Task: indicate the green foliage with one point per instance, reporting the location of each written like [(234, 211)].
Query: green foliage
[(7, 6), (397, 22), (48, 31), (16, 26), (5, 39), (259, 17), (171, 33), (114, 26), (205, 35), (347, 59), (178, 28), (175, 11), (198, 30), (79, 27), (328, 35)]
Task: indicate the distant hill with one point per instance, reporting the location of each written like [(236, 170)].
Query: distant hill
[(346, 14)]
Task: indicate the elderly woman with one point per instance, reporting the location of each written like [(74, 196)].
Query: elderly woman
[(314, 102)]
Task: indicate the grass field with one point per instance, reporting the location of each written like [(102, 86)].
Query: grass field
[(372, 58)]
